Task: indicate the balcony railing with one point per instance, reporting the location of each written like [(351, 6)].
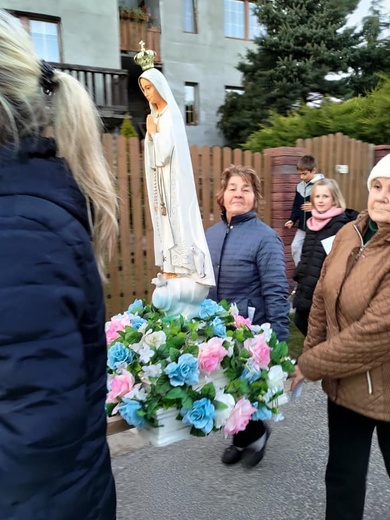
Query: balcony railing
[(107, 87), (132, 32)]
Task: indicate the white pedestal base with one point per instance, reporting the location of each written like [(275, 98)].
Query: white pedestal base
[(179, 296)]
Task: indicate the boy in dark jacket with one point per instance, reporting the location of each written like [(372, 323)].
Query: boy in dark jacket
[(301, 210)]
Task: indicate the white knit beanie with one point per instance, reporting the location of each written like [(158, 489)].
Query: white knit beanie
[(381, 169)]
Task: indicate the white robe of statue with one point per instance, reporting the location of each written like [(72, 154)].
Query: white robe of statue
[(180, 245)]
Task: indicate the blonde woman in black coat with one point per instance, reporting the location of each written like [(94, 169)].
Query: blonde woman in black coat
[(328, 216)]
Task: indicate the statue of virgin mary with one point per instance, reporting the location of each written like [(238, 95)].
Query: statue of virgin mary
[(180, 245)]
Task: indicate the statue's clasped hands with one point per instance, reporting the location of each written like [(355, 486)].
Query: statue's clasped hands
[(151, 126)]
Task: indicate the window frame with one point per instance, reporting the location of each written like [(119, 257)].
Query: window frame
[(25, 19), (196, 104), (194, 9), (246, 21)]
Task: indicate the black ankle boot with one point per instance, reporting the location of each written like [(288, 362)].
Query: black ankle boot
[(231, 455)]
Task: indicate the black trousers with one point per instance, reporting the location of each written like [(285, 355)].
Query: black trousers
[(301, 320), (252, 433), (350, 436)]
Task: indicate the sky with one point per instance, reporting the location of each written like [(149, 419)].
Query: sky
[(362, 10)]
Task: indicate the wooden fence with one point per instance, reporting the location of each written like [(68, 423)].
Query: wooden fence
[(132, 266), (335, 150)]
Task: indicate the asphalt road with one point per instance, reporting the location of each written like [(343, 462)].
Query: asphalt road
[(187, 481)]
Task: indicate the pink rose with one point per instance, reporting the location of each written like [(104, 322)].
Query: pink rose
[(240, 416), (117, 323), (240, 320), (120, 386), (211, 354), (259, 350)]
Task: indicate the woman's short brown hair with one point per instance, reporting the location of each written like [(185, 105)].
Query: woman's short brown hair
[(246, 173)]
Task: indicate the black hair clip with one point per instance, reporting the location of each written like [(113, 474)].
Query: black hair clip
[(46, 79)]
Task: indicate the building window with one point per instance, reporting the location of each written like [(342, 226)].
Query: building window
[(191, 103), (240, 20), (253, 22), (190, 16), (45, 35)]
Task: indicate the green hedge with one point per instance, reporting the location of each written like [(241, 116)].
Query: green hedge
[(363, 118)]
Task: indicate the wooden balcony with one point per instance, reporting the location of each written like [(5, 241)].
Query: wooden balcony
[(132, 32), (107, 87)]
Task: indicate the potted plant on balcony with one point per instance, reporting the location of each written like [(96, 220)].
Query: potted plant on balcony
[(136, 14)]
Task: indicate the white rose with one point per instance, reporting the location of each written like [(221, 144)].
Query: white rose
[(276, 378), (154, 339), (221, 416)]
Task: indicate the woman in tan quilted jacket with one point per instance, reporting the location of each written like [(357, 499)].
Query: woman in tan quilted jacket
[(348, 347)]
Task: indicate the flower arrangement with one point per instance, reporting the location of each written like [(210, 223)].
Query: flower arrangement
[(218, 370)]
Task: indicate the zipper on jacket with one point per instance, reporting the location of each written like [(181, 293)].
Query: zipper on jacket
[(228, 228), (369, 382), (362, 246)]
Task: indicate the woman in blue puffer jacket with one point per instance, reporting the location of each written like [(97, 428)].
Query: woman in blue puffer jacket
[(57, 221), (249, 267)]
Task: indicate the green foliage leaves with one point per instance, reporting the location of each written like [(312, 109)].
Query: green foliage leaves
[(208, 391), (127, 128), (163, 385), (363, 118), (238, 387), (175, 393)]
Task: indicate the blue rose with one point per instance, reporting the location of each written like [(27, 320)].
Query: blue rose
[(136, 307), (219, 328), (137, 322), (250, 375), (184, 371), (208, 309), (119, 356), (201, 415), (128, 410), (262, 414)]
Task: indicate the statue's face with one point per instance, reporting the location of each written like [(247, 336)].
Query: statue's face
[(150, 92)]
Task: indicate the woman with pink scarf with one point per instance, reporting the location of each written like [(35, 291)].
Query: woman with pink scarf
[(328, 216)]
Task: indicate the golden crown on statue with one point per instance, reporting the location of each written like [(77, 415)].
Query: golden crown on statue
[(145, 58)]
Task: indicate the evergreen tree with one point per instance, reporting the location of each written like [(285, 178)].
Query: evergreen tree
[(373, 55), (303, 42), (127, 128)]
